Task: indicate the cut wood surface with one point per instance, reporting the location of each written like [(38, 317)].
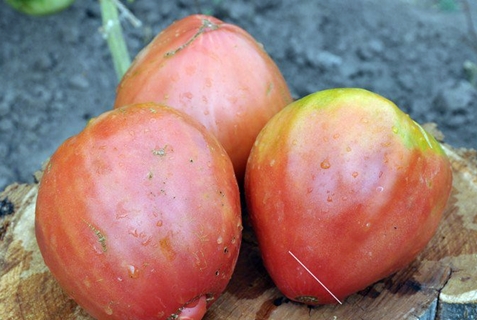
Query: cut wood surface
[(440, 284)]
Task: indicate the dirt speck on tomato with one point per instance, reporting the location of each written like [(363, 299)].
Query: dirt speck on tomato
[(162, 151)]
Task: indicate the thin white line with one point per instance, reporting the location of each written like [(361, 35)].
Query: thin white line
[(307, 270)]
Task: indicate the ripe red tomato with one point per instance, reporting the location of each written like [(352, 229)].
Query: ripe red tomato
[(215, 72), (138, 216), (345, 183)]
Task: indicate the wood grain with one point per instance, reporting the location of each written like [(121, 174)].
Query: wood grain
[(440, 284)]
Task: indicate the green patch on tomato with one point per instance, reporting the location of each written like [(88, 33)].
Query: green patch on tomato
[(374, 109)]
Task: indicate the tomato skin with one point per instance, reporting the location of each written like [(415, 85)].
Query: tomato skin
[(215, 72), (139, 215), (350, 185)]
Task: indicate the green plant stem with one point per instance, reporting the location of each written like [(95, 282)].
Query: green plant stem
[(114, 36)]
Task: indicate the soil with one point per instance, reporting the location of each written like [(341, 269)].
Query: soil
[(56, 71)]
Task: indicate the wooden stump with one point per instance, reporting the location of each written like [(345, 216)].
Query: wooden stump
[(440, 284)]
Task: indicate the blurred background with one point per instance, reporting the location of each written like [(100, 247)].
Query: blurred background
[(56, 71)]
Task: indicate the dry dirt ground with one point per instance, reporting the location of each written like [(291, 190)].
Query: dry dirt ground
[(56, 71)]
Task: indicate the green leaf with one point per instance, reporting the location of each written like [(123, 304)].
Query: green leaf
[(39, 7)]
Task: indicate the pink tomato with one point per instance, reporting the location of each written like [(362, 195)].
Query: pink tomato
[(138, 216), (215, 72)]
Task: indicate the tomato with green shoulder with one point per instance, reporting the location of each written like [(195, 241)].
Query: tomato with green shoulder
[(345, 183)]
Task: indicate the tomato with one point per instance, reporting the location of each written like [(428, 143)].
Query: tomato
[(40, 7), (215, 72), (138, 216), (345, 184)]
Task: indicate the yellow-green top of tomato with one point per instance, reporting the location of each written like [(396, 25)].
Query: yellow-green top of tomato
[(361, 111), (39, 7)]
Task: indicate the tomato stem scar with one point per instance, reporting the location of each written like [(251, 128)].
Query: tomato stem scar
[(314, 277), (99, 234)]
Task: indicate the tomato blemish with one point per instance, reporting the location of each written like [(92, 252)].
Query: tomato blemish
[(206, 26), (160, 152), (99, 234)]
